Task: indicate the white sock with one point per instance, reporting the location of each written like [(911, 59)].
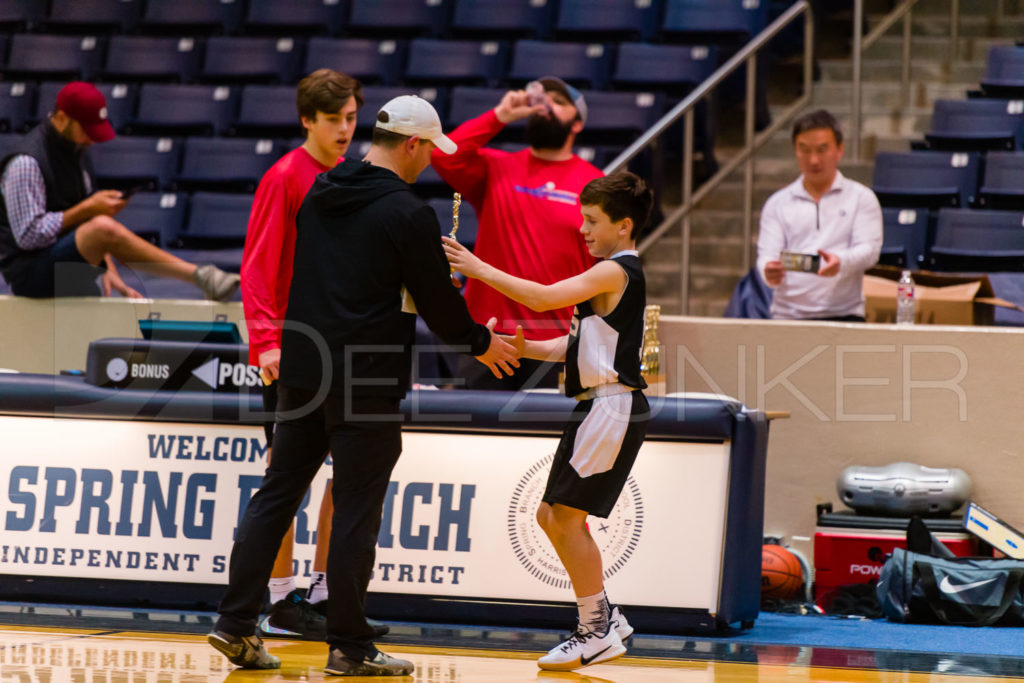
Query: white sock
[(280, 588), (594, 613), (317, 588)]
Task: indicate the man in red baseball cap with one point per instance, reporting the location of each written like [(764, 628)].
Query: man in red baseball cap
[(57, 231)]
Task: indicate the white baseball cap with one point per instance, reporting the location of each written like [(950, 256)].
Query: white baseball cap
[(411, 115)]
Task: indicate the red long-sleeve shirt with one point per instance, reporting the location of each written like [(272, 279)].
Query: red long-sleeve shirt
[(270, 247), (529, 220)]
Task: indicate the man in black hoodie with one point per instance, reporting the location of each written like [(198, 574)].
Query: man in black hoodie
[(363, 237)]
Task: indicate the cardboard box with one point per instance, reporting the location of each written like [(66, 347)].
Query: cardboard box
[(942, 298)]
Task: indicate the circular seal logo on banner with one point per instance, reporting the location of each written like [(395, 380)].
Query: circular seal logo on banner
[(117, 369), (616, 537)]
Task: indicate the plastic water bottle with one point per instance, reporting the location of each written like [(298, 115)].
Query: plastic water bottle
[(905, 302)]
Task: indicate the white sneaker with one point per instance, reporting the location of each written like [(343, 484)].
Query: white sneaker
[(619, 623), (583, 648)]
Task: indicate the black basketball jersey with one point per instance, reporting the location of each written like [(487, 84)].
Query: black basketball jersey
[(605, 349)]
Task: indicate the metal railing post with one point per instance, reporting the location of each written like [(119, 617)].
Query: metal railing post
[(905, 64), (748, 171), (954, 29), (858, 55), (684, 286)]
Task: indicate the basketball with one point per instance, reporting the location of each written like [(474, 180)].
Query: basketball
[(781, 574)]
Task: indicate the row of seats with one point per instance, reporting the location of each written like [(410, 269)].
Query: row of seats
[(956, 240), (284, 60), (646, 19), (268, 110), (950, 179)]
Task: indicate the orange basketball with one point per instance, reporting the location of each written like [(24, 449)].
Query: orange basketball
[(781, 574)]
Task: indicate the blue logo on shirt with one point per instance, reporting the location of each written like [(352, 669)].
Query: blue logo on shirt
[(548, 191)]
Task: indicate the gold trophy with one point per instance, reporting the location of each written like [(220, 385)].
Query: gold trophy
[(650, 355), (408, 305)]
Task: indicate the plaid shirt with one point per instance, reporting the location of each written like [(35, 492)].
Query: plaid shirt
[(24, 193)]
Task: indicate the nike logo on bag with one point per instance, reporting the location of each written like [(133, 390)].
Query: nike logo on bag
[(947, 586), (587, 660)]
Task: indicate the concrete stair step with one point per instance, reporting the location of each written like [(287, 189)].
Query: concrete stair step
[(884, 70), (877, 95), (932, 48), (973, 22)]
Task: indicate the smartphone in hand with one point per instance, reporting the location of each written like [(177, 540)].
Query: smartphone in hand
[(802, 263), (125, 194)]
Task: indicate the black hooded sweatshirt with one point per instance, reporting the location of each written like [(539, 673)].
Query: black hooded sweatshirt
[(361, 234)]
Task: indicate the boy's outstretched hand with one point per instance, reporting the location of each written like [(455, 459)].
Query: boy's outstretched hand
[(462, 259), (518, 341), (500, 356)]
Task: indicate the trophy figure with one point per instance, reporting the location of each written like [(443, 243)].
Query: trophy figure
[(408, 305), (650, 356)]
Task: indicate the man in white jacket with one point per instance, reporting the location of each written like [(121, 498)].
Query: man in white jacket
[(825, 213)]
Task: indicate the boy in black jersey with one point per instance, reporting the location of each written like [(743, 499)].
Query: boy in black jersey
[(602, 355)]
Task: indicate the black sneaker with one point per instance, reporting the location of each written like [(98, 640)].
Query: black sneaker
[(293, 617), (244, 651), (381, 665), (379, 627)]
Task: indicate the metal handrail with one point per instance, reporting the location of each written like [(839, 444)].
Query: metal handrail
[(748, 56)]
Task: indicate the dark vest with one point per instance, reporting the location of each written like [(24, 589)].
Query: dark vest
[(63, 165)]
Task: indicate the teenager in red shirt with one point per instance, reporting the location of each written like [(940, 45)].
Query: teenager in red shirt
[(529, 212), (327, 105)]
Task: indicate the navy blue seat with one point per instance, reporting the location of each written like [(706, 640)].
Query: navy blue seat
[(1004, 72), (612, 115), (369, 60), (977, 124), (16, 102), (93, 15), (155, 216), (248, 59), (192, 16), (978, 240), (130, 162), (294, 16), (457, 61), (121, 99), (605, 18), (375, 97), (50, 56), (926, 179), (583, 65), (20, 15), (468, 103), (216, 221), (675, 68), (488, 18), (226, 164), (1003, 185), (905, 237), (9, 142), (201, 109), (706, 18), (391, 17), (467, 220), (266, 110), (150, 58)]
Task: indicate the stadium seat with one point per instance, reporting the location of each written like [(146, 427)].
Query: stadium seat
[(225, 164), (21, 15), (620, 114), (121, 98), (977, 124), (150, 58), (393, 17), (369, 60), (583, 65), (674, 68), (457, 61), (468, 103), (130, 162), (1003, 185), (266, 110), (290, 17), (704, 19), (926, 179), (49, 56), (216, 221), (155, 216), (93, 15), (905, 237), (978, 240), (605, 18), (16, 102), (201, 109), (247, 60), (467, 220), (489, 18), (9, 142), (375, 97), (1004, 72), (192, 16)]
